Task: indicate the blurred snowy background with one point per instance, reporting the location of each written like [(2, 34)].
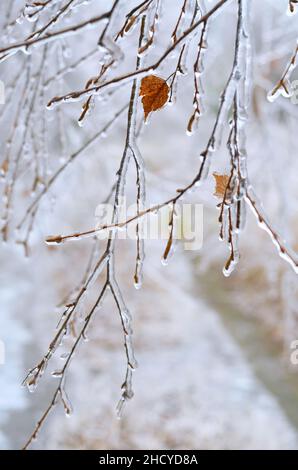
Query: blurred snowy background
[(213, 352)]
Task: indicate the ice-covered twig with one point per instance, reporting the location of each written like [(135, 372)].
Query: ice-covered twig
[(132, 18), (180, 67), (60, 390), (6, 52), (53, 21), (283, 86), (70, 68), (293, 5), (197, 70), (284, 251), (95, 90), (33, 9), (105, 262), (112, 57), (35, 203), (28, 108), (189, 29)]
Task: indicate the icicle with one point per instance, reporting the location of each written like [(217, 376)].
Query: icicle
[(34, 376), (66, 402), (138, 278), (127, 393), (292, 8), (57, 374), (54, 240)]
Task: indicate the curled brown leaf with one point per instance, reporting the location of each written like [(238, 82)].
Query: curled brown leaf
[(155, 92)]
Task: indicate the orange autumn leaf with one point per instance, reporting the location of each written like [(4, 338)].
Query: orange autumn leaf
[(154, 91), (221, 183), (4, 167)]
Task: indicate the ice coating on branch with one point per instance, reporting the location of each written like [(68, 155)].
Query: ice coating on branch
[(232, 206), (285, 252), (284, 87), (198, 69), (39, 163), (292, 7), (68, 409)]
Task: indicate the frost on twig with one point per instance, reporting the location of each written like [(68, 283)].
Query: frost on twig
[(293, 5), (283, 86), (53, 26), (107, 263)]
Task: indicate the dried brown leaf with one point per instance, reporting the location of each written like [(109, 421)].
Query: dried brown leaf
[(221, 183), (4, 167), (155, 92)]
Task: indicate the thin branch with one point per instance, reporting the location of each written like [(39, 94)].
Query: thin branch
[(78, 95), (7, 51)]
